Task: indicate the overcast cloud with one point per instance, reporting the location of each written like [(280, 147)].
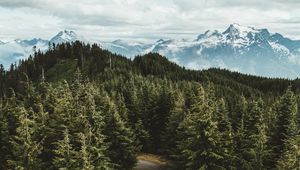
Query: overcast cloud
[(143, 19)]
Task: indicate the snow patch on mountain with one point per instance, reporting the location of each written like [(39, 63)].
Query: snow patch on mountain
[(241, 48), (280, 48), (16, 50), (64, 36)]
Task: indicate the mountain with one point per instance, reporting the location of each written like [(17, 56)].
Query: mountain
[(238, 48), (13, 51), (64, 36), (129, 49)]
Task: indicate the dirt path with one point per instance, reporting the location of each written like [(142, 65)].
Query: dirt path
[(147, 165)]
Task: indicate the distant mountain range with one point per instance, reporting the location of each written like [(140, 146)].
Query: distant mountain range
[(13, 51), (239, 48)]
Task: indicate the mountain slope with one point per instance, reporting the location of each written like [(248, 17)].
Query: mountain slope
[(16, 50), (238, 48), (64, 36)]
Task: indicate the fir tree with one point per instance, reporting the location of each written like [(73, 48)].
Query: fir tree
[(171, 134), (225, 129), (256, 135), (84, 153), (200, 146), (25, 149), (286, 112), (122, 148), (290, 156), (4, 137), (65, 153)]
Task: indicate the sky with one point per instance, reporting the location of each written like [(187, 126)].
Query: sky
[(143, 20)]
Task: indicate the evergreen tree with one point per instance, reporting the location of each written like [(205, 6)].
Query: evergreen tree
[(290, 156), (286, 111), (257, 137), (200, 146), (25, 149), (122, 147), (4, 137), (171, 135), (65, 153), (225, 129), (84, 153)]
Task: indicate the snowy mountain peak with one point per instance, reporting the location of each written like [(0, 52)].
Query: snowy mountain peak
[(67, 33), (209, 33), (160, 41), (239, 29), (32, 42), (64, 36)]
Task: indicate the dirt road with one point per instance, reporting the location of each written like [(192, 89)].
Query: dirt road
[(147, 165)]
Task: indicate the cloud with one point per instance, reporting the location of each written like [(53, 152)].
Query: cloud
[(148, 18)]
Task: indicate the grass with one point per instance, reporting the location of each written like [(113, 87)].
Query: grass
[(153, 158)]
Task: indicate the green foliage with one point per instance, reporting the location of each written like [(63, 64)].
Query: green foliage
[(200, 146), (65, 154), (90, 113), (25, 149), (285, 121)]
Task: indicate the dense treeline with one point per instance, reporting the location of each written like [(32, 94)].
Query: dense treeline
[(78, 106)]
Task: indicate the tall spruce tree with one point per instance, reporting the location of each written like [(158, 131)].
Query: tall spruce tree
[(286, 111), (200, 146), (171, 135), (25, 149), (226, 133), (122, 149), (4, 136), (256, 135), (64, 153), (290, 156)]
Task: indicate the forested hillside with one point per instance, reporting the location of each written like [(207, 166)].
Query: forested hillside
[(78, 106)]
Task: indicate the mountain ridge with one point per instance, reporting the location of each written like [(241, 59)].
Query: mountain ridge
[(238, 48), (18, 49)]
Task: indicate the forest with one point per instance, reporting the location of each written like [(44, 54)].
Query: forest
[(78, 106)]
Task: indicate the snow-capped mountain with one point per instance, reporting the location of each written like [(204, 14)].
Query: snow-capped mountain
[(128, 49), (239, 48), (13, 51), (64, 36)]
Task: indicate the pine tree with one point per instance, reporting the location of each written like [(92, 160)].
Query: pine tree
[(135, 118), (290, 159), (25, 149), (65, 153), (200, 146), (290, 156), (257, 137), (122, 147), (4, 137), (286, 111), (239, 113), (225, 129), (171, 135), (84, 154)]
